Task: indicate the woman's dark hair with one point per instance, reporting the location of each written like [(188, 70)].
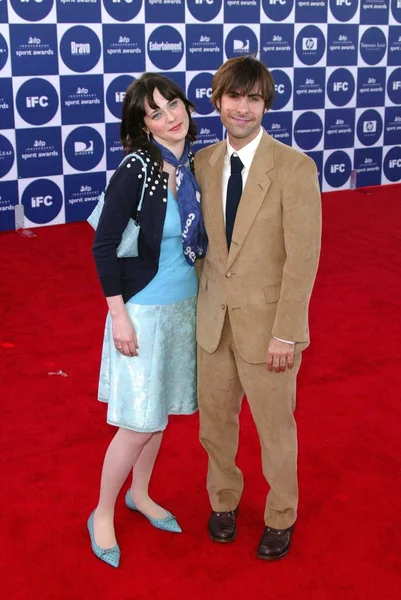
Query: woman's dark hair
[(132, 133), (243, 74)]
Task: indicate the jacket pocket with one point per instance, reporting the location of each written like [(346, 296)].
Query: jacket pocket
[(272, 292)]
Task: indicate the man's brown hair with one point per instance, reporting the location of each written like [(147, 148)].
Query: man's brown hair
[(245, 75)]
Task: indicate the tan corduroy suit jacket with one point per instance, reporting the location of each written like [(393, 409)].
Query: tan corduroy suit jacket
[(266, 279)]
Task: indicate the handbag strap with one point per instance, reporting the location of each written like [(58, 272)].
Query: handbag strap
[(145, 169)]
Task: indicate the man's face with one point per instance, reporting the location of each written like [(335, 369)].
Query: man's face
[(242, 116)]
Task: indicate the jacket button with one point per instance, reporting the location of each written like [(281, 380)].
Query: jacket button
[(228, 274), (223, 306)]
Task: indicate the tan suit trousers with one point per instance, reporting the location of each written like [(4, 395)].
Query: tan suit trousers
[(223, 378)]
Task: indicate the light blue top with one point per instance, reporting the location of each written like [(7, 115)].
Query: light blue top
[(175, 280)]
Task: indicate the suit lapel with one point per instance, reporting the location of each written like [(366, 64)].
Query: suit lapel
[(256, 188), (214, 204)]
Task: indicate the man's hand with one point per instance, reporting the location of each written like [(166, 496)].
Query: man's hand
[(280, 355)]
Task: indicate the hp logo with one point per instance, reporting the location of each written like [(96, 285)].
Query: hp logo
[(309, 43)]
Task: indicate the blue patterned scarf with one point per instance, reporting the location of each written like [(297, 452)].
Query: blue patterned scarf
[(194, 239)]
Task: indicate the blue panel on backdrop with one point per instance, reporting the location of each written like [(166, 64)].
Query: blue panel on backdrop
[(392, 126), (242, 11), (343, 10), (394, 86), (39, 152), (82, 99), (178, 77), (241, 41), (210, 131), (392, 164), (309, 87), (394, 46), (6, 104), (277, 10), (80, 49), (277, 45), (37, 101), (81, 193), (32, 12), (373, 46), (164, 11), (84, 148), (341, 87), (283, 87), (342, 45), (124, 48), (310, 45), (308, 130), (374, 13), (71, 11), (396, 10), (204, 46), (114, 149), (121, 10), (339, 128), (310, 11), (3, 52), (42, 200), (199, 93), (34, 49), (337, 169), (279, 125), (369, 127), (8, 199), (318, 158), (204, 10), (371, 87), (115, 94), (6, 156), (165, 47), (3, 11), (367, 162)]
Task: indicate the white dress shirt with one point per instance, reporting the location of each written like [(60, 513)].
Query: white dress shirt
[(246, 155)]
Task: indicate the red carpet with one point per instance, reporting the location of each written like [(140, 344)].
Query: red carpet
[(347, 542)]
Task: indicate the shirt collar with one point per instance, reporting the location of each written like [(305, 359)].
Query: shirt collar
[(246, 153)]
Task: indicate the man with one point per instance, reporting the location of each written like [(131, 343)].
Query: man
[(261, 207)]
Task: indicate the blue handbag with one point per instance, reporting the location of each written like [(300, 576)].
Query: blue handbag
[(129, 241)]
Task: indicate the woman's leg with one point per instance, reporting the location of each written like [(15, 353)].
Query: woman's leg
[(142, 473), (120, 457)]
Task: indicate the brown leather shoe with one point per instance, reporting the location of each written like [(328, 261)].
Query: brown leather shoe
[(222, 526), (274, 543)]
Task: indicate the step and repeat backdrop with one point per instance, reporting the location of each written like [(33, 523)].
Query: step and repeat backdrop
[(65, 66)]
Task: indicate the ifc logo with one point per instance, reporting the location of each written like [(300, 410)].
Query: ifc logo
[(84, 148), (42, 201), (394, 86), (278, 10), (32, 10), (80, 49), (392, 164), (341, 87), (369, 127), (241, 41), (310, 45), (115, 94), (200, 92), (283, 87), (204, 10), (165, 47), (337, 169), (122, 10), (396, 9), (343, 10), (37, 101)]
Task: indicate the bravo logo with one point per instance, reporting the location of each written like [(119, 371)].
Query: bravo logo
[(37, 101), (42, 201), (200, 92), (80, 49)]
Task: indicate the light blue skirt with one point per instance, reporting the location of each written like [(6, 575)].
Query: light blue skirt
[(143, 390)]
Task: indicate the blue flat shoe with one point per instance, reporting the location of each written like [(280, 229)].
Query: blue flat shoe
[(169, 523), (111, 556)]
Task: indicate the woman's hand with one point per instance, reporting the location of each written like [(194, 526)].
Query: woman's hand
[(124, 335)]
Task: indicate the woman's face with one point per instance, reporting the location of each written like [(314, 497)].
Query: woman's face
[(168, 123)]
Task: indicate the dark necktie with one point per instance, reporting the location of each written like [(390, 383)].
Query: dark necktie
[(234, 193)]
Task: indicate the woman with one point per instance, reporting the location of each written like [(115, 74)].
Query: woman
[(148, 368)]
